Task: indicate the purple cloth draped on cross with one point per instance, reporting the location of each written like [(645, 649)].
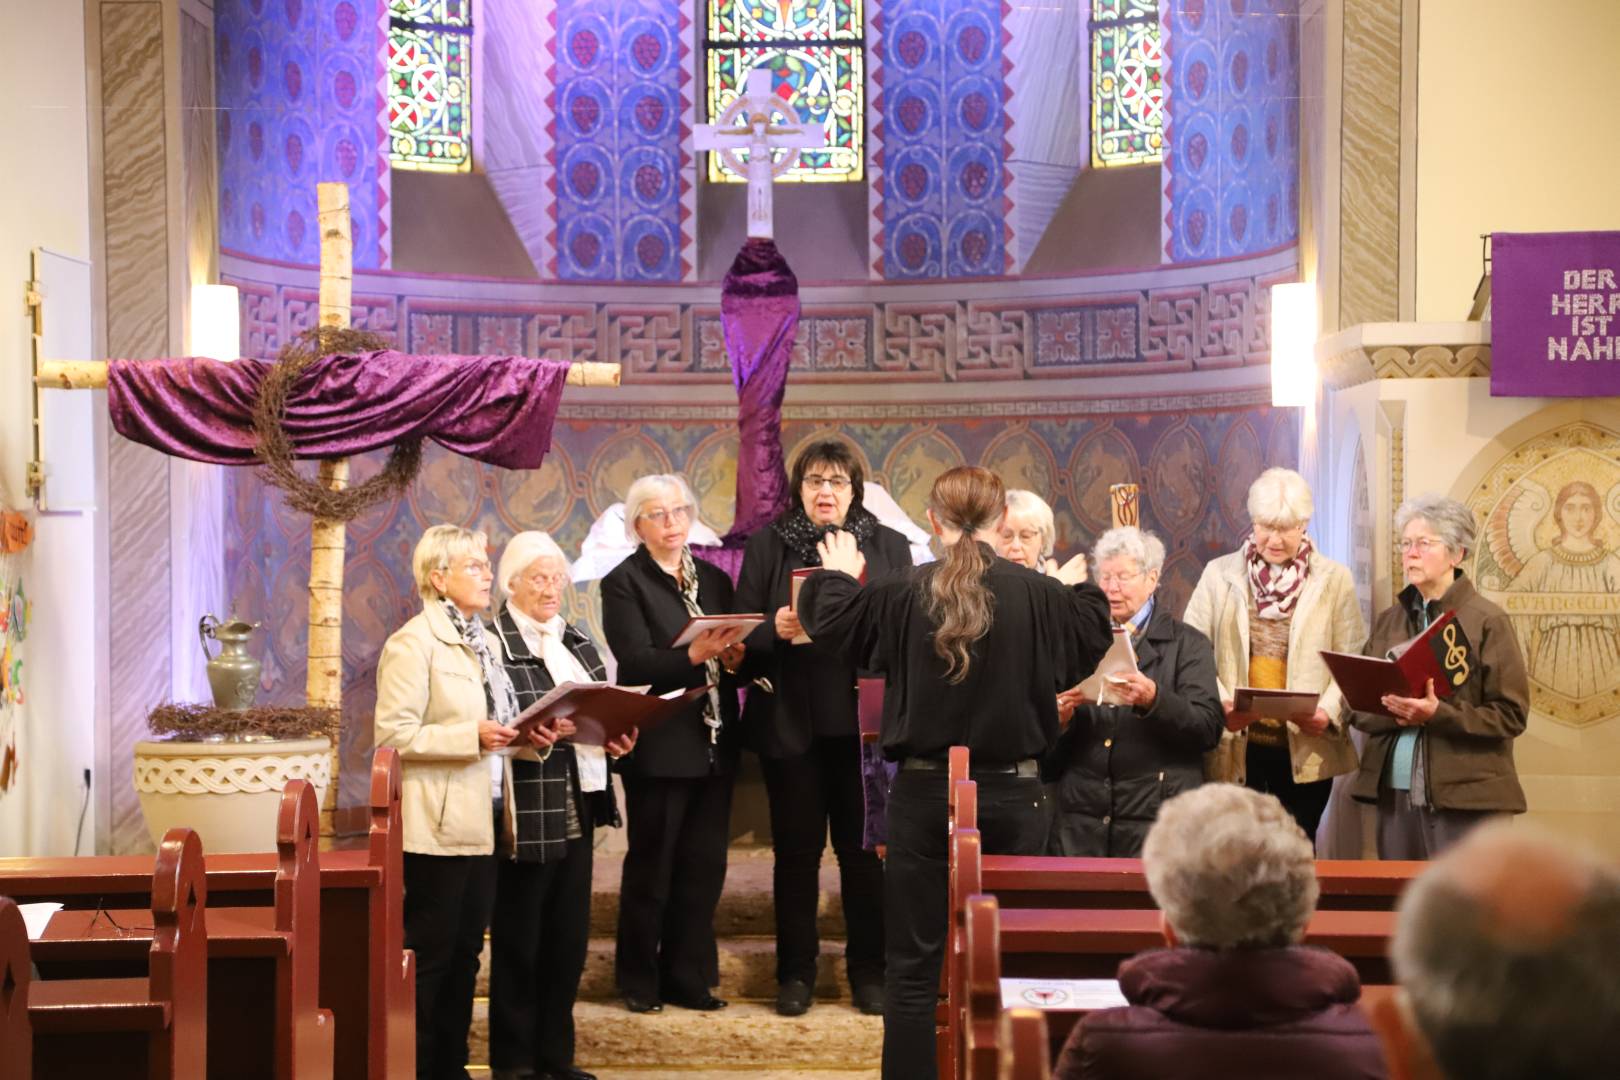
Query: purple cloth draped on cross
[(497, 409), (759, 313)]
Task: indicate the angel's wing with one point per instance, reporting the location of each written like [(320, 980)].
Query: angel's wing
[(1510, 532)]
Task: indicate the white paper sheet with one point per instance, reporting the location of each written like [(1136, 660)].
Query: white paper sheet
[(1065, 995)]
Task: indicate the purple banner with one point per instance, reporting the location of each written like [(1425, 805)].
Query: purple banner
[(1555, 314)]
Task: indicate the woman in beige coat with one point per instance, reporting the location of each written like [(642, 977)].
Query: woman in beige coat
[(445, 703), (1269, 608)]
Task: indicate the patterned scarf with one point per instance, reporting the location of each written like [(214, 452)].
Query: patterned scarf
[(801, 535), (498, 690), (1276, 589), (711, 666)]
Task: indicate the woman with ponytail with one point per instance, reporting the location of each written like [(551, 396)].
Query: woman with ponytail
[(973, 651)]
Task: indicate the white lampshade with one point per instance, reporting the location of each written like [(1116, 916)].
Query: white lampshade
[(1293, 343), (216, 322)]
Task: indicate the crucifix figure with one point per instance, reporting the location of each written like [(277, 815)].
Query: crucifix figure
[(497, 409), (760, 123)]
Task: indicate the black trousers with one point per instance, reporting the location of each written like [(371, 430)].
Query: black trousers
[(809, 793), (447, 906), (537, 944), (1271, 771), (916, 876), (674, 869)]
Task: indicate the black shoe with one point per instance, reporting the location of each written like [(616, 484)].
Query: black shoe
[(642, 1003), (868, 998), (569, 1073), (707, 1003), (794, 998)]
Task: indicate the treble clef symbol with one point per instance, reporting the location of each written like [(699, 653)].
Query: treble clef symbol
[(1456, 660)]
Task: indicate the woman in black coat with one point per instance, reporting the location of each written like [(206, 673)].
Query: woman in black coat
[(1118, 762), (801, 719), (677, 782)]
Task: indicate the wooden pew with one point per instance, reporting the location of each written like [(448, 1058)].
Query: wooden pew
[(1054, 881), (16, 1034), (1039, 943), (267, 956), (154, 1025), (368, 982), (1023, 1040)]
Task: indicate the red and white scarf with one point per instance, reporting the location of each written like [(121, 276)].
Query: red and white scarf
[(1276, 589)]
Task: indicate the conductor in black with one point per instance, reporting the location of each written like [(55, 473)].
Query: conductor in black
[(973, 651)]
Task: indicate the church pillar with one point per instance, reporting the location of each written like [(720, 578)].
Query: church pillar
[(152, 211), (1358, 162)]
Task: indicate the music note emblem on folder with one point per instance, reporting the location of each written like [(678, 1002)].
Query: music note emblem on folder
[(1456, 659)]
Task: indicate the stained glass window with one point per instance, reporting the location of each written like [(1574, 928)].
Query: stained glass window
[(1127, 86), (815, 51), (429, 79)]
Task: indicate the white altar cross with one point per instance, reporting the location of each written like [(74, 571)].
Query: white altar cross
[(760, 123)]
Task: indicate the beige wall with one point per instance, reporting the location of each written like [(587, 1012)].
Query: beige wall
[(45, 202), (1514, 133)]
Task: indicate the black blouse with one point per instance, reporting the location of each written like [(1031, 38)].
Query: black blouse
[(1044, 637), (642, 611), (814, 684)]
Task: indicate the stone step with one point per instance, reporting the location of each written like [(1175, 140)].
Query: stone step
[(747, 971), (751, 1072), (745, 904), (746, 1039)]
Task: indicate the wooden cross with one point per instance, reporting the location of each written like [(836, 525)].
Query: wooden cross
[(750, 123), (323, 686)]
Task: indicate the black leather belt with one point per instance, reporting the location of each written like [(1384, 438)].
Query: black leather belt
[(1028, 767)]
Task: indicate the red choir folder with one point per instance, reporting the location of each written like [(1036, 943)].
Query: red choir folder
[(1442, 653), (602, 712)]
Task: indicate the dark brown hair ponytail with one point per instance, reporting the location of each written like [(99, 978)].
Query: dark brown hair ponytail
[(957, 599)]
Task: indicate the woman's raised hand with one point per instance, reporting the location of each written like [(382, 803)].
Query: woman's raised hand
[(840, 551)]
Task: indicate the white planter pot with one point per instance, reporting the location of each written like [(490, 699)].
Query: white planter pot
[(229, 792)]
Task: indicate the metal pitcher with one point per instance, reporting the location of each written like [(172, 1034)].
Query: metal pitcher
[(234, 672)]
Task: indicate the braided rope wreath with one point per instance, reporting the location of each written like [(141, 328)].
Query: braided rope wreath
[(275, 448)]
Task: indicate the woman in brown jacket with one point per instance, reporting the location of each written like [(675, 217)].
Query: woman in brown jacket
[(1436, 768)]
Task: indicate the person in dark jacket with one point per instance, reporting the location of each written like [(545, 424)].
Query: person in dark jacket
[(973, 651), (677, 783), (1437, 768), (801, 719), (1121, 757), (1235, 994), (542, 922)]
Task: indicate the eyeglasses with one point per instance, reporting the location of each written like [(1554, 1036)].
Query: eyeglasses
[(816, 483), (674, 513), (1106, 579), (540, 581), (1420, 544), (1272, 529), (474, 568)]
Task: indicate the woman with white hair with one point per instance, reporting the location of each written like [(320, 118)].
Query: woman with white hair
[(1028, 534), (1235, 994), (677, 783), (1270, 608), (445, 703), (1119, 761), (1438, 768), (542, 921)]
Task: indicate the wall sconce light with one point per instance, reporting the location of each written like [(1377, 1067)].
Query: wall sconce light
[(1293, 343), (216, 322)]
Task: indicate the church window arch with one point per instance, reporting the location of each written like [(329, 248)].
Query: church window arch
[(815, 50), (430, 84), (1127, 84)]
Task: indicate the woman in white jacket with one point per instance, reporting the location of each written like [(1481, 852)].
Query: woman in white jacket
[(445, 703), (1268, 609)]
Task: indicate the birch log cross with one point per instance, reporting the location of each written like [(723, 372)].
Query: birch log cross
[(496, 409)]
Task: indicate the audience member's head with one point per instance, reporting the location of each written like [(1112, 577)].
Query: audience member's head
[(1230, 868), (1507, 950)]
